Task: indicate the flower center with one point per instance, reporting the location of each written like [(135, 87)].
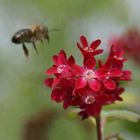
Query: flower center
[(88, 49), (89, 99), (61, 68), (108, 75), (89, 74)]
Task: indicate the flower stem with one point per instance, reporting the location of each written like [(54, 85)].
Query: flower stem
[(99, 128)]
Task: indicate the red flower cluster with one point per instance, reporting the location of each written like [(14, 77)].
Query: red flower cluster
[(91, 86), (130, 42)]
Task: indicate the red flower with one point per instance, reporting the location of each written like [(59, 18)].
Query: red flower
[(87, 87), (109, 76), (130, 43), (62, 68), (89, 50), (62, 65), (111, 72), (64, 92), (92, 101), (115, 58), (114, 94), (86, 75)]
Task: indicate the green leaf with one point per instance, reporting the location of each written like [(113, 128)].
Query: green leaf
[(121, 114)]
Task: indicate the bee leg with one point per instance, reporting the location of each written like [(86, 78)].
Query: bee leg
[(26, 52), (35, 48), (47, 38)]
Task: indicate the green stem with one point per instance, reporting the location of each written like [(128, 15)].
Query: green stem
[(99, 128)]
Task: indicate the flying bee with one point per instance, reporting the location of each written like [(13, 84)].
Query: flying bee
[(31, 35)]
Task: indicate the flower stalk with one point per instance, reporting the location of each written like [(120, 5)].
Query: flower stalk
[(99, 128)]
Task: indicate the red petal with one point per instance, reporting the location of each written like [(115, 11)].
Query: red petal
[(71, 61), (100, 63), (126, 75), (116, 73), (90, 63), (119, 52), (95, 44), (110, 84), (81, 83), (61, 58), (66, 103), (55, 59), (84, 41), (120, 91), (97, 51), (51, 70), (95, 85), (101, 73), (63, 53), (55, 82), (103, 99), (57, 95), (48, 82), (78, 69), (80, 48)]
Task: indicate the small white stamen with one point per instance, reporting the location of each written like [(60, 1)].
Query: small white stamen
[(60, 68), (108, 75), (88, 49)]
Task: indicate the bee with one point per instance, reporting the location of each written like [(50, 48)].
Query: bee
[(31, 35)]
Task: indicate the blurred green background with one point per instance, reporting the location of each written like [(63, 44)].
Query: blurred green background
[(24, 99)]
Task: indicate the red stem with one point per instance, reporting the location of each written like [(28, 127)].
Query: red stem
[(99, 128)]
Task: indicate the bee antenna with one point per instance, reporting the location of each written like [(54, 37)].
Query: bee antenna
[(51, 30)]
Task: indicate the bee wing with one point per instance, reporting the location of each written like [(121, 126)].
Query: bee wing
[(26, 52)]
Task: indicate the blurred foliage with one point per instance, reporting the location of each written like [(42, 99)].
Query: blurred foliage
[(23, 94)]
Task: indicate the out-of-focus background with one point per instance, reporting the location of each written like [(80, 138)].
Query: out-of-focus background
[(26, 111)]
